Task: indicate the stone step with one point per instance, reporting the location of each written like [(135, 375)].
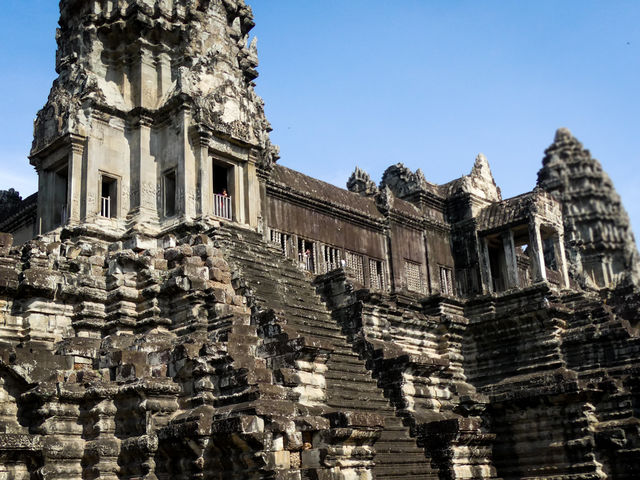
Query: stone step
[(387, 454), (394, 470), (276, 283)]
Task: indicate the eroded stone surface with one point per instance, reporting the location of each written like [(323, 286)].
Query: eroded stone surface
[(196, 311)]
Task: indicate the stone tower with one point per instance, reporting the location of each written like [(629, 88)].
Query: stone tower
[(598, 236), (192, 310), (152, 115)]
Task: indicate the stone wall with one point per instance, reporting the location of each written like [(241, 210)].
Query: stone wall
[(287, 329)]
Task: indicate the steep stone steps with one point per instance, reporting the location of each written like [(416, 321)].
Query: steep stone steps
[(277, 283)]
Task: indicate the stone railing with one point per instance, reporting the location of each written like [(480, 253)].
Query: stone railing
[(222, 206)]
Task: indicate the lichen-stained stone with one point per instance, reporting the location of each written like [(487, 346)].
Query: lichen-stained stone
[(189, 309)]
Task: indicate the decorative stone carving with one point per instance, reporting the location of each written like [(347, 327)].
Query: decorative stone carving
[(124, 68), (360, 182), (479, 182), (384, 199), (442, 339), (402, 181)]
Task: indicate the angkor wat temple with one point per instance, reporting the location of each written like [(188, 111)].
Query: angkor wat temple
[(176, 305)]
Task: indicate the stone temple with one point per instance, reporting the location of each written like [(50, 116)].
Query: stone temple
[(176, 305)]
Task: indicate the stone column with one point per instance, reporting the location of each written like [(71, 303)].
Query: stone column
[(75, 178), (143, 173), (102, 450), (91, 180), (204, 164), (537, 253), (561, 259), (62, 444), (187, 172), (44, 202), (145, 80), (510, 259), (252, 191), (238, 199), (163, 67), (485, 266)]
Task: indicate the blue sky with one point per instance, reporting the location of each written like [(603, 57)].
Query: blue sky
[(430, 83)]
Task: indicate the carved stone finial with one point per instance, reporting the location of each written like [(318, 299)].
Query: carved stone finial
[(384, 199), (360, 182), (563, 134), (403, 181), (268, 157), (479, 182)]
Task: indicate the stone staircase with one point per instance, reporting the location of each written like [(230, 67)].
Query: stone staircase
[(273, 282)]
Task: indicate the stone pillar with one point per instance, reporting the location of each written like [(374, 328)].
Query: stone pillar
[(537, 253), (163, 67), (561, 259), (252, 191), (75, 178), (187, 170), (143, 173), (510, 259), (44, 203), (91, 180), (204, 164), (62, 444), (239, 196), (485, 266), (101, 452), (145, 80)]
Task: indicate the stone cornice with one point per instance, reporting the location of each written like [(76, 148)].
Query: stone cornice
[(75, 141)]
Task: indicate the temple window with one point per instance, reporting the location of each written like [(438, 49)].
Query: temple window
[(283, 240), (330, 258), (446, 280), (548, 248), (523, 256), (108, 196), (376, 274), (169, 193), (413, 276), (355, 266)]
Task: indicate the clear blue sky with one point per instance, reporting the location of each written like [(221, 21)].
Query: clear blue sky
[(429, 83)]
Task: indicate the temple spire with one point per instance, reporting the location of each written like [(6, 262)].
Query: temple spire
[(146, 91), (598, 235)]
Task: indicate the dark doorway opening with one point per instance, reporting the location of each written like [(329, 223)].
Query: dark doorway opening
[(109, 197), (220, 179), (169, 189), (60, 192)]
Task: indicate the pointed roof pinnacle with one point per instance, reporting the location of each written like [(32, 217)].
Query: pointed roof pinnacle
[(563, 134), (481, 167)]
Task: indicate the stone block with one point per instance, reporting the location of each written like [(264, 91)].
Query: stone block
[(279, 460), (139, 243), (6, 242)]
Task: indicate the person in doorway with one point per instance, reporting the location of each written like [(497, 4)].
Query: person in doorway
[(307, 259), (223, 207)]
